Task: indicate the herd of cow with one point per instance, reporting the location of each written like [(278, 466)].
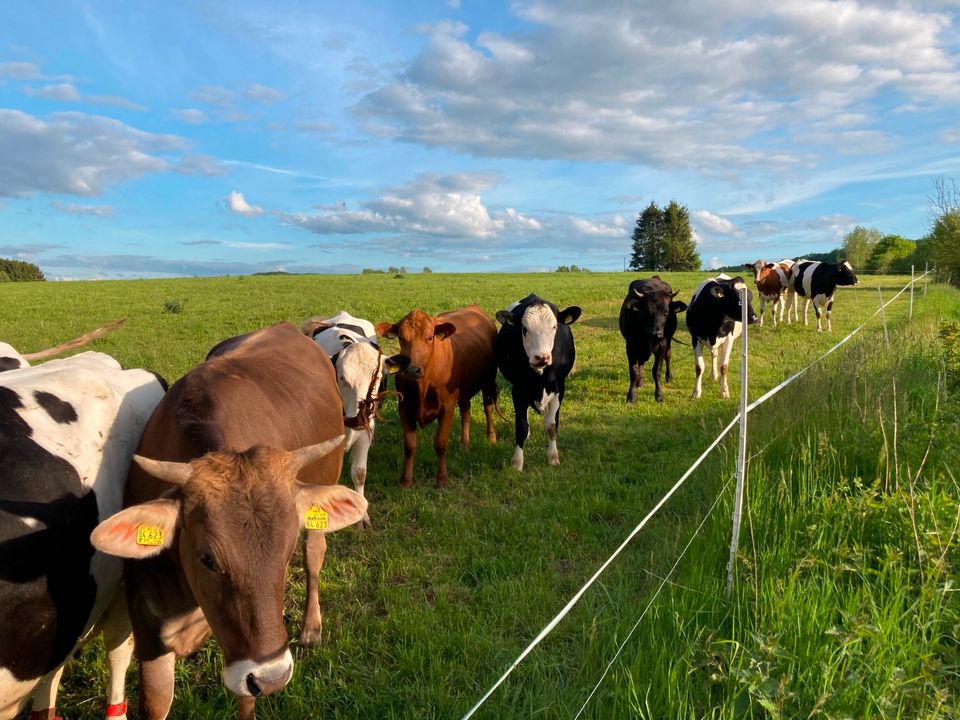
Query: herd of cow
[(176, 511)]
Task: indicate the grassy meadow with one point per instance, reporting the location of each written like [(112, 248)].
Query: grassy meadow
[(845, 603)]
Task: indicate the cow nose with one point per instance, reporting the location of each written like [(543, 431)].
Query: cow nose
[(414, 371), (658, 334), (267, 683), (541, 360)]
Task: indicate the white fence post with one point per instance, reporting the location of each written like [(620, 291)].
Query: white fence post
[(883, 316), (926, 278), (742, 448), (913, 279)]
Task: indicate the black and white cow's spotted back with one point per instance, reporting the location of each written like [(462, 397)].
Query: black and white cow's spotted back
[(68, 430)]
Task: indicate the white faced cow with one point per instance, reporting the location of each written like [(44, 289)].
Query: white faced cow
[(714, 319), (68, 429), (818, 281), (773, 281), (535, 353), (351, 344)]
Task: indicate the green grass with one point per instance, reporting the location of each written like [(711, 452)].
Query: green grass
[(844, 604)]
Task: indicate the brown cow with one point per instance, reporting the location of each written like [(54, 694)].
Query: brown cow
[(451, 360), (773, 281), (237, 470)]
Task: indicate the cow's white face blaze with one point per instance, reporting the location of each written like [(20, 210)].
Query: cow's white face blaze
[(359, 367), (538, 330)]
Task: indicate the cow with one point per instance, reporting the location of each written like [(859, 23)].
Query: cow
[(714, 320), (535, 353), (450, 360), (818, 281), (241, 454), (68, 429), (10, 359), (773, 281), (648, 320), (351, 344)]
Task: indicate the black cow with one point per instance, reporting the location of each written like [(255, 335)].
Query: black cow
[(648, 320), (818, 281), (535, 353), (714, 319)]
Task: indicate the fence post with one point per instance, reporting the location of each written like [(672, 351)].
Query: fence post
[(913, 279), (883, 316), (926, 278), (742, 447)]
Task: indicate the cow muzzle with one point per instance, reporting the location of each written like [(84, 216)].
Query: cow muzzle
[(253, 679), (539, 362), (413, 372)]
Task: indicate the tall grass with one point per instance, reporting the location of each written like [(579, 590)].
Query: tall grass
[(844, 602)]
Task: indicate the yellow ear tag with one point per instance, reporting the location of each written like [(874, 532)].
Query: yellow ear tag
[(316, 519), (147, 535)]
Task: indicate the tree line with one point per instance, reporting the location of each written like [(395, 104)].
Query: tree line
[(663, 239), (19, 271)]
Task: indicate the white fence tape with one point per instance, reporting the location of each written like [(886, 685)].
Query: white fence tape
[(676, 486)]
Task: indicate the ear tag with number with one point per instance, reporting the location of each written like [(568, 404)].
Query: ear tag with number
[(316, 519), (149, 535)]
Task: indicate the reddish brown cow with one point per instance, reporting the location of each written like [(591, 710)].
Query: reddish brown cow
[(451, 360), (772, 283), (237, 470)]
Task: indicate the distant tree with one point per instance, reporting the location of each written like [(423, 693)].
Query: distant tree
[(944, 238), (571, 269), (371, 271), (890, 254), (833, 256), (647, 246), (679, 248), (858, 245), (19, 271), (393, 270), (426, 269)]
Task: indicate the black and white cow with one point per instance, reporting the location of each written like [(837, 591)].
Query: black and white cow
[(818, 281), (714, 320), (648, 320), (351, 344), (10, 359), (68, 430), (535, 353)]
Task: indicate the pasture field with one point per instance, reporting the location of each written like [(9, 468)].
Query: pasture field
[(845, 604)]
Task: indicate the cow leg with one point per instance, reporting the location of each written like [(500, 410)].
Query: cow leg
[(762, 310), (657, 369), (551, 423), (444, 424), (791, 295), (818, 313), (156, 686), (521, 427), (358, 462), (409, 450), (667, 356), (829, 313), (44, 698), (713, 359), (313, 554), (724, 365), (464, 424), (806, 309), (489, 402), (636, 375), (774, 306), (700, 367), (118, 643), (246, 708)]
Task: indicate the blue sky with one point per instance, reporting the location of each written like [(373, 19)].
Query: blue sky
[(145, 139)]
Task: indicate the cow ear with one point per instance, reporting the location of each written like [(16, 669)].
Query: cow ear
[(444, 330), (678, 306), (630, 303), (505, 317), (140, 531), (313, 326), (386, 329), (770, 265), (570, 315), (328, 507), (748, 266), (396, 363), (716, 291)]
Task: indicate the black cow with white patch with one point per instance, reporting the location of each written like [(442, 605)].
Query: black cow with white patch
[(648, 321), (535, 353), (818, 281), (714, 320), (68, 430)]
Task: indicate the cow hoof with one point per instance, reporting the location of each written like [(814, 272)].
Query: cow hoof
[(659, 398), (492, 437), (406, 482), (442, 483), (631, 399), (365, 521), (517, 464), (553, 459), (310, 637)]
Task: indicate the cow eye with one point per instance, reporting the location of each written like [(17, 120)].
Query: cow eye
[(209, 563)]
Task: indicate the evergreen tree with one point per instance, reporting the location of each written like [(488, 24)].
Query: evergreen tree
[(19, 271), (679, 251), (648, 240)]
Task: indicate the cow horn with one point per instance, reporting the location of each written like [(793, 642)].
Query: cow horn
[(176, 473), (637, 293), (311, 453)]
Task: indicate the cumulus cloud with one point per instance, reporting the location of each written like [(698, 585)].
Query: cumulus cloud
[(75, 154), (238, 204), (950, 136), (190, 115), (263, 94), (64, 92), (714, 223), (20, 71), (115, 101), (712, 86), (100, 211), (596, 229)]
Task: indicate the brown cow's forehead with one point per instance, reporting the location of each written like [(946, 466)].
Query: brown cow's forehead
[(415, 324), (249, 486)]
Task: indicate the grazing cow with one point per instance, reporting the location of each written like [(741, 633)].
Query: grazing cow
[(351, 344), (714, 319), (450, 359), (773, 280), (818, 281), (229, 469), (535, 353), (648, 320), (10, 359), (68, 429)]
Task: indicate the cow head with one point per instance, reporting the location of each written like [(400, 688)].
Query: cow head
[(759, 267), (232, 521), (728, 293), (654, 305), (419, 335), (538, 322), (845, 274), (360, 367)]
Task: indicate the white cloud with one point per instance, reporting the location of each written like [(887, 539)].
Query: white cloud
[(101, 211), (586, 227), (238, 204), (75, 154), (64, 92), (190, 115), (714, 223), (264, 94), (258, 246), (950, 135), (20, 71), (115, 101)]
